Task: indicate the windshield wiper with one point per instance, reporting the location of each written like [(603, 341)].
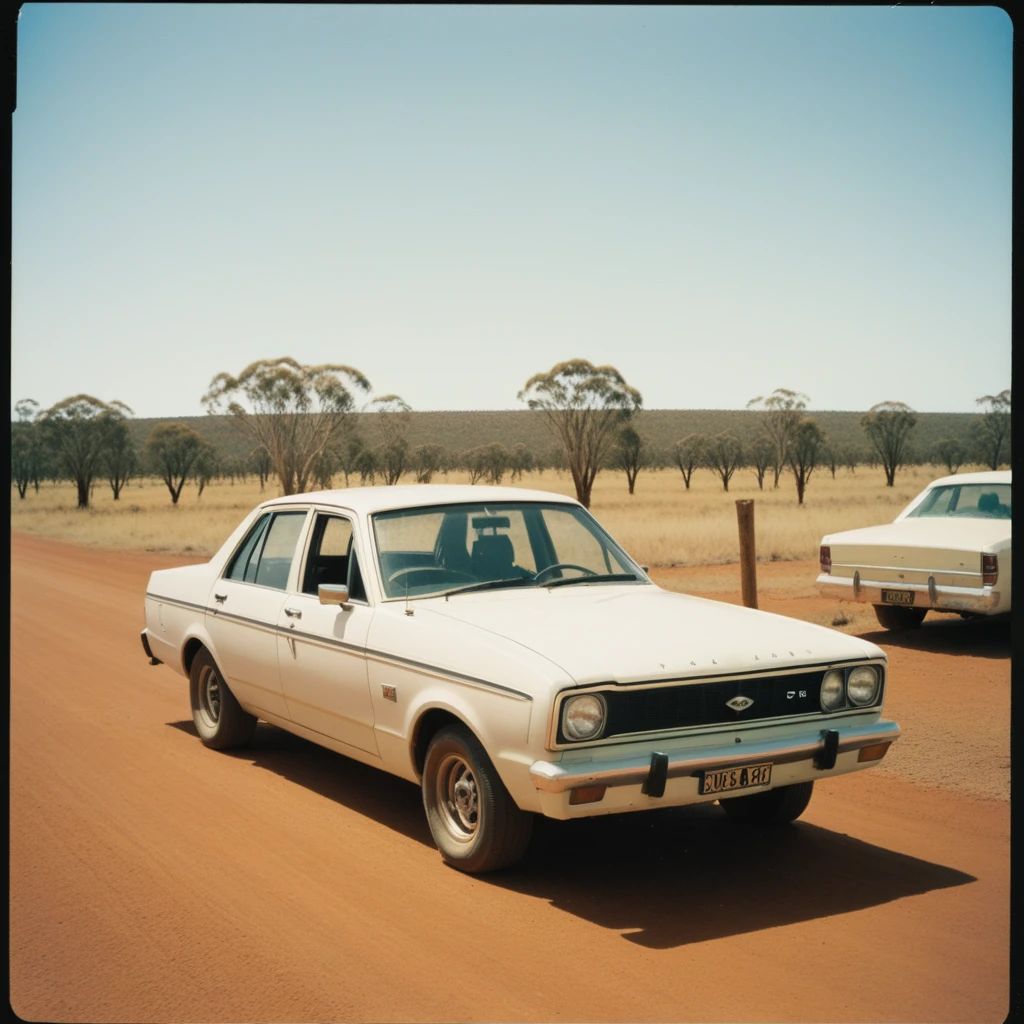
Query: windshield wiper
[(609, 577), (518, 581)]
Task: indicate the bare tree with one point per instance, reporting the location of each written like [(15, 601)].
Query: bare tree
[(583, 405), (888, 425), (78, 429), (948, 452), (172, 451), (804, 453), (780, 414), (724, 455), (427, 460), (295, 411), (688, 453), (991, 430), (630, 454), (761, 455)]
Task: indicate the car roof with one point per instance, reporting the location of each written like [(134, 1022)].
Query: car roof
[(365, 500), (1001, 476)]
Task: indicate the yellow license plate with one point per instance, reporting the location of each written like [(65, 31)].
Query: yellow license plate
[(736, 778)]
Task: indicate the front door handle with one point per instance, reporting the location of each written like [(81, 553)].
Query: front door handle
[(220, 598), (293, 613)]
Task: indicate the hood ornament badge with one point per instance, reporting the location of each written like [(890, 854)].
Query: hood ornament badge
[(739, 703)]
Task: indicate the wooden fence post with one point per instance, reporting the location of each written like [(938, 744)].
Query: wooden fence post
[(748, 554)]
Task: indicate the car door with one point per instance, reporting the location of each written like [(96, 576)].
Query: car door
[(322, 648), (244, 609)]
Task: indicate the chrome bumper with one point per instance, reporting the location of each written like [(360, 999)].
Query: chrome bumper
[(926, 595), (559, 777)]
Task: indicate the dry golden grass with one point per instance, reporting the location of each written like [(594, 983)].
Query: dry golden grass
[(662, 524)]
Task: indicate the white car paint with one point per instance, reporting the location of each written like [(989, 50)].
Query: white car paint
[(939, 559), (360, 679)]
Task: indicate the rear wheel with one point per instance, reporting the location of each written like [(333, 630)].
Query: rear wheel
[(897, 617), (774, 807), (473, 819), (218, 717)]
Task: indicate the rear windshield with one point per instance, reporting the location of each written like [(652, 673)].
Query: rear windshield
[(971, 501)]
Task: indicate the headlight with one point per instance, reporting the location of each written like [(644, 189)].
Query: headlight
[(862, 686), (583, 717), (833, 691)]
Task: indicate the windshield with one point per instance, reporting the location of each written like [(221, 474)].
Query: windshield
[(445, 548), (970, 501)]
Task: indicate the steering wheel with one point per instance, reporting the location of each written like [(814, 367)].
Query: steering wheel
[(564, 565), (428, 568)]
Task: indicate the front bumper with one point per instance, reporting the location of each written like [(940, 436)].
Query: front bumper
[(983, 600), (562, 777)]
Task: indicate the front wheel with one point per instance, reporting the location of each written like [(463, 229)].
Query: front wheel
[(473, 819), (899, 617), (774, 807), (218, 717)]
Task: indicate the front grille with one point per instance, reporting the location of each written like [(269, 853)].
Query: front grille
[(693, 704)]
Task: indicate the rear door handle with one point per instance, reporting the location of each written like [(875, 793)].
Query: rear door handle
[(293, 613)]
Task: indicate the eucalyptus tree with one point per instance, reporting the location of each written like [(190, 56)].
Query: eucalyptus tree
[(390, 415), (689, 453), (780, 413), (724, 455), (293, 411), (426, 460), (261, 464), (521, 460), (991, 430), (888, 426), (77, 431), (120, 460), (630, 454), (172, 452), (804, 453), (948, 452), (206, 467), (584, 406), (760, 457), (25, 447)]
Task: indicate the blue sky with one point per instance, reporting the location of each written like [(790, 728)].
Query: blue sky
[(718, 201)]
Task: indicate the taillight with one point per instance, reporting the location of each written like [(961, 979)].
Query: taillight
[(989, 570), (826, 558)]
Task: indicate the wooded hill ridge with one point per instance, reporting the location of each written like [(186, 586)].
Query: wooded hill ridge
[(660, 428)]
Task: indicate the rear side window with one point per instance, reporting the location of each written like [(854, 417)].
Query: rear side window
[(239, 567), (279, 549), (265, 556)]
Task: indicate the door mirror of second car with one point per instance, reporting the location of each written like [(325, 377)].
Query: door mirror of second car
[(332, 593)]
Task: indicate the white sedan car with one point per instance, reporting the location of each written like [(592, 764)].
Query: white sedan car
[(949, 550), (497, 647)]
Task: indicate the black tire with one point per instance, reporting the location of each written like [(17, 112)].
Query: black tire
[(774, 807), (896, 617), (218, 717), (473, 819)]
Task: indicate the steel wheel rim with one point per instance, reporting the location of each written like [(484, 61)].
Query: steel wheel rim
[(458, 798), (209, 694)]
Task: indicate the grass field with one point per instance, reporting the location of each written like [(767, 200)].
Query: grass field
[(662, 524)]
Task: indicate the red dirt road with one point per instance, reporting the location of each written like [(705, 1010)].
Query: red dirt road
[(152, 879)]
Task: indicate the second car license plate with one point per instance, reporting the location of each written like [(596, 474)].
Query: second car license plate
[(897, 596), (736, 778)]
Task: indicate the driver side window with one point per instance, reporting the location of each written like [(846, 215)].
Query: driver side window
[(332, 558)]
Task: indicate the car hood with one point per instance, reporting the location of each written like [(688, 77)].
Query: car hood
[(929, 532), (612, 633)]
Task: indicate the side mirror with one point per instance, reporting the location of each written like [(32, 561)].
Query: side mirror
[(332, 593)]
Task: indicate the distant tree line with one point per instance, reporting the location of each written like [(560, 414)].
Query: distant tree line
[(297, 423)]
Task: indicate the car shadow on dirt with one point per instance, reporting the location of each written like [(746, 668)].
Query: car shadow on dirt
[(670, 878), (663, 878), (979, 638), (394, 802)]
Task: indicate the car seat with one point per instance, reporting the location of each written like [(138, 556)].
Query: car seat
[(493, 556)]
